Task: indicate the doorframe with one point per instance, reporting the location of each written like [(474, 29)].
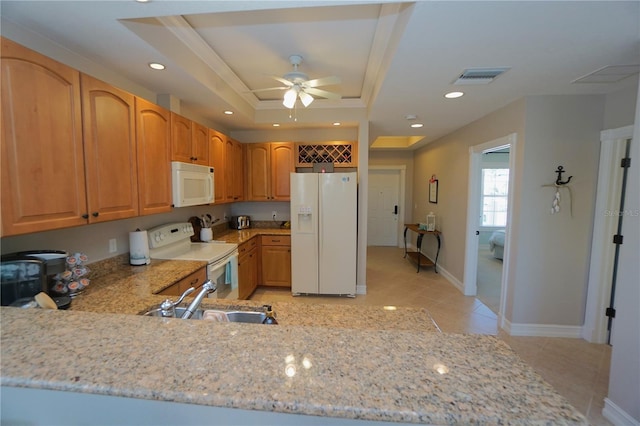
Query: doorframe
[(401, 199), (470, 287), (594, 329)]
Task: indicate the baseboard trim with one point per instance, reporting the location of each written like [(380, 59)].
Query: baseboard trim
[(361, 289), (617, 415), (442, 271), (542, 330), (453, 280)]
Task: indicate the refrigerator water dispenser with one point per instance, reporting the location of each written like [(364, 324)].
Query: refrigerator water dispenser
[(305, 220)]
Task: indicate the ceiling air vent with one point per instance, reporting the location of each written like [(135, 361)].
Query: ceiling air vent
[(479, 75)]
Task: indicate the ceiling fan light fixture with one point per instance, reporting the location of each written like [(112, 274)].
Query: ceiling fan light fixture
[(290, 98), (306, 99)]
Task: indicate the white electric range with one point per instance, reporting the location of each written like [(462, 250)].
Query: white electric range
[(173, 241)]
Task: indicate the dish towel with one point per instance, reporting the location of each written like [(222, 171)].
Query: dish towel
[(231, 272)]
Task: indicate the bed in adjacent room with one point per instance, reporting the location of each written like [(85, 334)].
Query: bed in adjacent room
[(496, 244)]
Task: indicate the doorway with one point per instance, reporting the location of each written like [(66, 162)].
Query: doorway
[(494, 193), (608, 201), (386, 205), (477, 220)]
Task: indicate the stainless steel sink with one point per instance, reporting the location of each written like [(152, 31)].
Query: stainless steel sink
[(246, 316), (254, 317)]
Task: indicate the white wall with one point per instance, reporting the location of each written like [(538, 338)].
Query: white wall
[(623, 401), (448, 159), (620, 106), (550, 280), (547, 279)]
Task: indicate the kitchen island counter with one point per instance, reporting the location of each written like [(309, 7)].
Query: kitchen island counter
[(336, 361), (383, 375)]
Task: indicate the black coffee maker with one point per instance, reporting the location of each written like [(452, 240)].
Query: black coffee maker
[(27, 273)]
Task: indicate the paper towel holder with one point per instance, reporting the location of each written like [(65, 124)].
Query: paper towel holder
[(138, 248)]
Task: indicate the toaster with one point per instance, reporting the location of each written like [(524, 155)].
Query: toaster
[(240, 222)]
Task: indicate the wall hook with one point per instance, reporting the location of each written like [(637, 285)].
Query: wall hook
[(559, 179)]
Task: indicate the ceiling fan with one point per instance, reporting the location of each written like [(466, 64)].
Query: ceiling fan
[(298, 85)]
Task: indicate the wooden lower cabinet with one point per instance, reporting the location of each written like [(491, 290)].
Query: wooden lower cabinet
[(276, 260), (248, 268), (196, 280)]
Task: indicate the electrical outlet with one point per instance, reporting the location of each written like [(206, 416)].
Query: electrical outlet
[(113, 247), (274, 214)]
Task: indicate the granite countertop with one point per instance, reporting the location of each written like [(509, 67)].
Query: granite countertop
[(239, 237), (356, 362)]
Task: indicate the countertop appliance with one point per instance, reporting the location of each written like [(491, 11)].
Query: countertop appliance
[(192, 184), (173, 241), (323, 233), (240, 222), (27, 273)]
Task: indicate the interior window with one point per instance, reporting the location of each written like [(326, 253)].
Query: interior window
[(495, 187)]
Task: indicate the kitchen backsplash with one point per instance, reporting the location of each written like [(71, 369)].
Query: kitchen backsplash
[(93, 240)]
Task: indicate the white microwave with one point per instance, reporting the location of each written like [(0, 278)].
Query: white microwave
[(192, 184)]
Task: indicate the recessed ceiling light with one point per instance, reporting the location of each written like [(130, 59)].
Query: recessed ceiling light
[(336, 123), (453, 95), (143, 1), (276, 125), (156, 66), (228, 112), (417, 125)]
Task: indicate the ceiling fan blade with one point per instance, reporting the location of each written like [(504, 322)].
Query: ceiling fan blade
[(269, 88), (282, 80), (325, 81), (322, 93)]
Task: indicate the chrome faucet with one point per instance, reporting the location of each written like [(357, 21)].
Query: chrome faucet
[(207, 287), (167, 308)]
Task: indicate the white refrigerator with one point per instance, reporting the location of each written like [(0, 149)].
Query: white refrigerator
[(324, 233)]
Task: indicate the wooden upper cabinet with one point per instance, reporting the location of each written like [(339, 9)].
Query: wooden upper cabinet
[(217, 142), (238, 171), (108, 116), (258, 175), (234, 170), (180, 138), (189, 141), (153, 138), (200, 144), (268, 169), (43, 178), (282, 164)]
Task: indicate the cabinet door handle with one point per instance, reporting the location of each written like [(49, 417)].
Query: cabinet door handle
[(95, 214), (85, 216), (195, 281)]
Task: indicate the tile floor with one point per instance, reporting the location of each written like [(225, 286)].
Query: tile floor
[(577, 369)]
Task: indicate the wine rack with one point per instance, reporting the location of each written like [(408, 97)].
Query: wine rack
[(341, 154)]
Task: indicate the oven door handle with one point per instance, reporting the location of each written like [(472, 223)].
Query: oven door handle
[(222, 265)]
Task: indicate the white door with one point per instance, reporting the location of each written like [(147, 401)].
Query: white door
[(383, 209)]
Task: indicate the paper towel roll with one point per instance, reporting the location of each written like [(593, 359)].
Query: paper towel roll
[(138, 248)]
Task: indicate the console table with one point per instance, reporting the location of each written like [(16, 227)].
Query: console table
[(417, 256)]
